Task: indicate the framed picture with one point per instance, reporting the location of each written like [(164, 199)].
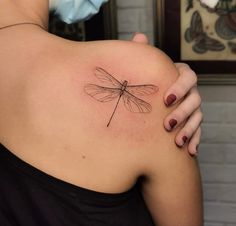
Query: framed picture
[(102, 26), (190, 32)]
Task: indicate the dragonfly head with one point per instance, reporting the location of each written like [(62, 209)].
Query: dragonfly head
[(125, 83)]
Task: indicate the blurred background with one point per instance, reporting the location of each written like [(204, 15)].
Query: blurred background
[(217, 158)]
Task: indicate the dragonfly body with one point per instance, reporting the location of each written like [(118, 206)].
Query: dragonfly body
[(116, 89), (123, 87), (122, 90)]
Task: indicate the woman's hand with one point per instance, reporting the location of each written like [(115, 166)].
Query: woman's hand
[(188, 114)]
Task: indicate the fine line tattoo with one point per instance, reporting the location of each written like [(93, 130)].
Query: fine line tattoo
[(118, 89)]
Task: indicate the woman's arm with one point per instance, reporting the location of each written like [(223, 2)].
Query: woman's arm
[(172, 188), (172, 183)]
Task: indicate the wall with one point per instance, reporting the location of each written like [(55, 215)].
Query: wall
[(217, 156), (134, 16)]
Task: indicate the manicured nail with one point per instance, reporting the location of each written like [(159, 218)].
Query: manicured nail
[(172, 123), (170, 99), (184, 139)]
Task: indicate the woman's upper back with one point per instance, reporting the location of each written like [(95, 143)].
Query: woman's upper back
[(49, 120)]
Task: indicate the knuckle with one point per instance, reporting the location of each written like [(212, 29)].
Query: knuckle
[(194, 77), (199, 98), (183, 113), (199, 131), (194, 141), (181, 65), (185, 66), (196, 91), (196, 99), (197, 136), (177, 88), (194, 128), (191, 74), (201, 116)]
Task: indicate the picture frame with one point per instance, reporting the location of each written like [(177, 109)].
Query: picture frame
[(110, 20), (167, 32)]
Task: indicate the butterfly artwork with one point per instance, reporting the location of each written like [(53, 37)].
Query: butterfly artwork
[(211, 6), (225, 26), (232, 46), (189, 5), (202, 42), (112, 89)]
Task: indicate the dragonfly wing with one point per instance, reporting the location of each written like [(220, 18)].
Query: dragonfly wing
[(106, 78), (102, 94), (135, 104), (142, 90)]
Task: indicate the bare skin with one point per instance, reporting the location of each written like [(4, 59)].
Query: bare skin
[(48, 120)]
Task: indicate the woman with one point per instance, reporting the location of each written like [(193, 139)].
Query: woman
[(82, 129)]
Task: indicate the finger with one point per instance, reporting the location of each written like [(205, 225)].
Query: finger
[(190, 128), (140, 38), (184, 110), (194, 143), (187, 79)]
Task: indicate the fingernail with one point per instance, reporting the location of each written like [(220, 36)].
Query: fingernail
[(172, 123), (184, 139), (170, 99)]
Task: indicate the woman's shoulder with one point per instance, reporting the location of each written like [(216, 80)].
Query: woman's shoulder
[(110, 92), (139, 74), (122, 92)]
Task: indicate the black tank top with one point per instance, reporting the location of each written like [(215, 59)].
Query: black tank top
[(30, 197)]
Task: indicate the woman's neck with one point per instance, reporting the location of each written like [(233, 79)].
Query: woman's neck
[(21, 11)]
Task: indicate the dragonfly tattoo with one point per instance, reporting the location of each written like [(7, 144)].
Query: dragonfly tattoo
[(113, 89)]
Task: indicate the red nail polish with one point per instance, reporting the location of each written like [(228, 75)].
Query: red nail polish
[(170, 99), (184, 139), (172, 123)]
